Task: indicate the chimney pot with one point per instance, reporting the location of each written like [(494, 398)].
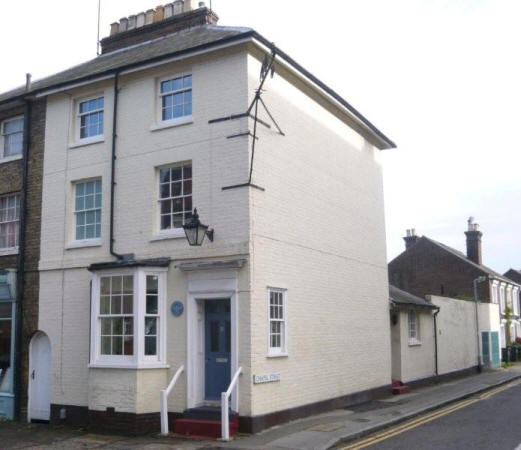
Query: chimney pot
[(114, 28), (169, 10), (28, 82), (474, 241), (410, 238), (159, 13), (189, 5), (178, 7), (140, 19), (123, 24), (201, 5), (149, 16), (131, 22)]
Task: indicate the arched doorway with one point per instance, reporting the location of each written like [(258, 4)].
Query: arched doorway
[(39, 378)]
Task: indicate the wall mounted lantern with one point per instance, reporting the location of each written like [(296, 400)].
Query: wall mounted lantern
[(195, 231)]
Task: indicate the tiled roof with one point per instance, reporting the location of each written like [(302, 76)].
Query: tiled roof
[(402, 298), (486, 270), (147, 51)]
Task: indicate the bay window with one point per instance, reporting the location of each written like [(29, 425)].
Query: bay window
[(127, 318)]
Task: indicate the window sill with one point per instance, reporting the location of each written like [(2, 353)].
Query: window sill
[(277, 355), (83, 244), (9, 251), (10, 158), (414, 343), (129, 366), (172, 123), (172, 235), (85, 142)]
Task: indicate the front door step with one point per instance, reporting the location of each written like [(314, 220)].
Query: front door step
[(204, 423)]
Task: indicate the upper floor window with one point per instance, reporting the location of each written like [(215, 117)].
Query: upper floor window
[(277, 322), (176, 98), (494, 290), (175, 196), (12, 137), (87, 210), (9, 221), (502, 298), (414, 328), (90, 117)]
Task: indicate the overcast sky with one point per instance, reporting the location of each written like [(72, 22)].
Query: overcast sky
[(440, 77)]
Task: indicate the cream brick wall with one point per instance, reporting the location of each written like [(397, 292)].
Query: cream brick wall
[(219, 89), (318, 231)]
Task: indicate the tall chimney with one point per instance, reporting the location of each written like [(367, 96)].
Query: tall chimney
[(473, 241), (411, 238)]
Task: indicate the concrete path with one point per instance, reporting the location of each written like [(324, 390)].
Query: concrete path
[(313, 433)]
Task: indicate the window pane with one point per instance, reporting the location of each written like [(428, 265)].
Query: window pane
[(127, 304), (128, 284), (115, 305), (151, 304), (105, 286), (128, 343), (5, 310), (150, 325), (106, 326), (105, 304), (117, 345), (116, 285), (105, 345), (150, 345), (128, 326)]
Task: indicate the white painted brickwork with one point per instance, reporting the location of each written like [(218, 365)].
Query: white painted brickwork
[(317, 231)]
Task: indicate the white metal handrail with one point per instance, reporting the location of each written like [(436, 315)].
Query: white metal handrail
[(163, 395), (225, 417)]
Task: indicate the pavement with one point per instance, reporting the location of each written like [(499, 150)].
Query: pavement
[(318, 432)]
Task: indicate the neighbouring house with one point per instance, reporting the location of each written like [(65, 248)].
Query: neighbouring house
[(437, 337), (292, 303), (514, 275), (22, 128), (428, 267)]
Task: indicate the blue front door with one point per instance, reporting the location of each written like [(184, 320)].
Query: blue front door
[(217, 348)]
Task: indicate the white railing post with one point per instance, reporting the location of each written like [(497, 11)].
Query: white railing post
[(225, 418), (163, 399)]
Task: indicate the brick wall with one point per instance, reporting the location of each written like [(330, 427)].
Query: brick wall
[(427, 269)]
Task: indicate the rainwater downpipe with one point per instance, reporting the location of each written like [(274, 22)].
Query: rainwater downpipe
[(436, 342), (113, 169), (20, 278)]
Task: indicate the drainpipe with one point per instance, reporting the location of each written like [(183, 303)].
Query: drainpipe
[(436, 341), (476, 301), (20, 278), (113, 170)]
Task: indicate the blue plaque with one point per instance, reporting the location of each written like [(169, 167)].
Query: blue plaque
[(177, 308)]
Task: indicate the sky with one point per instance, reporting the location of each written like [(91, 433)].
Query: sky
[(439, 77)]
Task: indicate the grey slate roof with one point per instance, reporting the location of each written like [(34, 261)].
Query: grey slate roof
[(402, 298), (486, 270), (176, 44), (146, 51)]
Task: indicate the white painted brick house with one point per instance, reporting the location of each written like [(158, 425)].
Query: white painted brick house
[(293, 289)]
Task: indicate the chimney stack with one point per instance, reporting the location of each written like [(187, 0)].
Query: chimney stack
[(473, 241), (411, 238), (154, 23)]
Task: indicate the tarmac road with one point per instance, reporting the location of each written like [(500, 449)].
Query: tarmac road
[(488, 421)]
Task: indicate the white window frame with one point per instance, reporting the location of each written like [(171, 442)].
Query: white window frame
[(138, 359), (12, 250), (3, 157), (77, 103), (86, 241), (416, 339), (171, 232), (159, 110), (283, 349), (515, 300), (502, 298), (495, 293)]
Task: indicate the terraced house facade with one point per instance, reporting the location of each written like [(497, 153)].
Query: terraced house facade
[(278, 306), (22, 128)]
